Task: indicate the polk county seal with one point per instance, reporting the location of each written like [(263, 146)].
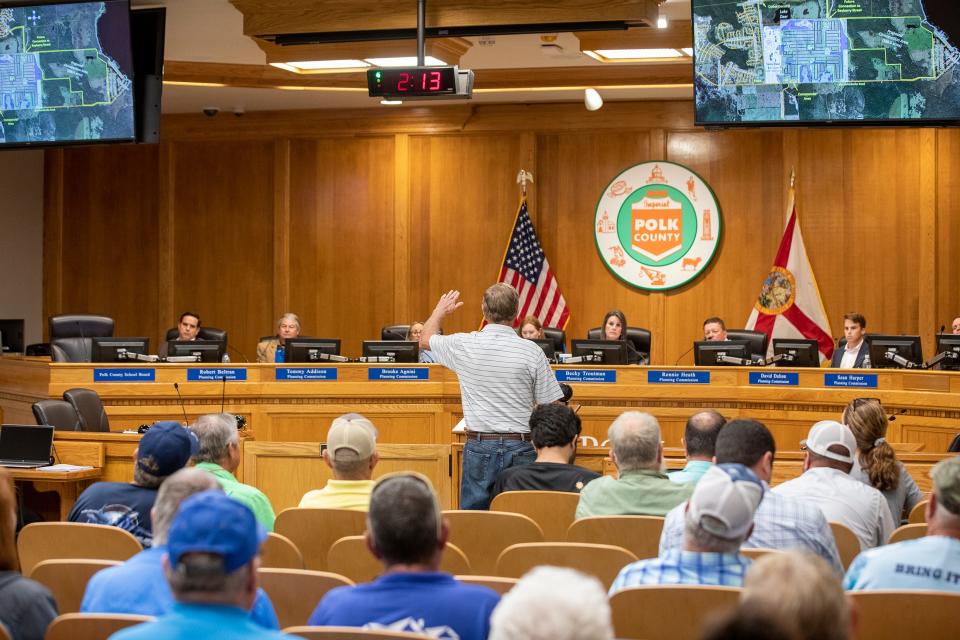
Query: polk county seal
[(657, 225)]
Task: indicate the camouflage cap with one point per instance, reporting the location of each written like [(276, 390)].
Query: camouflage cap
[(946, 482)]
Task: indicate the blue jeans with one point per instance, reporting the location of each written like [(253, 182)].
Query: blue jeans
[(483, 460)]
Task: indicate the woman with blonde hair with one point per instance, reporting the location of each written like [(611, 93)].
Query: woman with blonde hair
[(876, 462), (531, 328)]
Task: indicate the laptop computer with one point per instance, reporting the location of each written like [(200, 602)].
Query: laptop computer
[(25, 446)]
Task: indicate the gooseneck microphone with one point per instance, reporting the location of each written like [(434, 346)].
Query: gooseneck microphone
[(223, 392), (684, 355), (186, 421)]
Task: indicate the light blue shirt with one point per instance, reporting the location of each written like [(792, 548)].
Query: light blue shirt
[(691, 473), (200, 621), (932, 562), (138, 586), (684, 567)]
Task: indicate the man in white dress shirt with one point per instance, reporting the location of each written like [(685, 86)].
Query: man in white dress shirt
[(826, 482), (854, 354)]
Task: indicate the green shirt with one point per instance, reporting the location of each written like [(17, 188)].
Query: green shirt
[(243, 493), (635, 493)]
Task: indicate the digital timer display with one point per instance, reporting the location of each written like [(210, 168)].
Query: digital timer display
[(412, 81)]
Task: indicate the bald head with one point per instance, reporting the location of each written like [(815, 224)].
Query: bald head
[(700, 435), (635, 441)]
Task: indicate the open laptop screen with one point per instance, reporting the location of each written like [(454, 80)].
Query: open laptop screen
[(25, 443)]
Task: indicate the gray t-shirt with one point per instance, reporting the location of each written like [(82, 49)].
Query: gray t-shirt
[(904, 497)]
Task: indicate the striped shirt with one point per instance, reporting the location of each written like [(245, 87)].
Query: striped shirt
[(685, 567), (780, 522), (502, 376)]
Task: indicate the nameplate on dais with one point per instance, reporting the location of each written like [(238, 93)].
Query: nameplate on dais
[(398, 373), (659, 376), (586, 375), (775, 378), (858, 380), (126, 374), (216, 374), (323, 374)]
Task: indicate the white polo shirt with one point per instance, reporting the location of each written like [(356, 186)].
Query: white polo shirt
[(845, 500), (502, 376)]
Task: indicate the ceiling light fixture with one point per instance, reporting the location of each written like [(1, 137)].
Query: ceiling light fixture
[(322, 66), (633, 55), (391, 102), (405, 61), (662, 22)]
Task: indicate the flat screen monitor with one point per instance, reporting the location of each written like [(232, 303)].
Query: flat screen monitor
[(207, 350), (309, 349), (947, 342), (883, 347), (548, 346), (11, 336), (825, 62), (25, 444), (66, 73), (116, 349), (706, 352), (801, 352), (399, 350), (609, 351)]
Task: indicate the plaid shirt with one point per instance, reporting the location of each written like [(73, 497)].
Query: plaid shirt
[(684, 567), (780, 522)]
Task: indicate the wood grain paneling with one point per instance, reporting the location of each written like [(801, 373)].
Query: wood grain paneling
[(223, 237), (342, 238), (948, 231)]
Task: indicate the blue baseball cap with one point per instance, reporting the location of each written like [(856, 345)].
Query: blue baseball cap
[(211, 522), (166, 448)]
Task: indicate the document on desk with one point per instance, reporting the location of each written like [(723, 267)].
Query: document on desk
[(63, 467)]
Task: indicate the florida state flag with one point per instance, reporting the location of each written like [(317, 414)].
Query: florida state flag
[(789, 304)]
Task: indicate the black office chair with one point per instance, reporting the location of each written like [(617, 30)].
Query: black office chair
[(38, 349), (87, 404), (639, 336), (205, 333), (559, 337), (756, 340), (71, 335), (57, 413), (394, 332)]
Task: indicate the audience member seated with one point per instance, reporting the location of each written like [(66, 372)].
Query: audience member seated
[(714, 329), (746, 622), (826, 483), (554, 429), (801, 592), (165, 449), (413, 335), (718, 518), (219, 454), (138, 586), (351, 454), (553, 603), (781, 522), (211, 566), (406, 531), (876, 462), (531, 328), (26, 607), (614, 327), (642, 487), (931, 562), (699, 441), (269, 349)]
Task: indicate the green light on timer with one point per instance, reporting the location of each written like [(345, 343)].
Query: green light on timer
[(377, 75)]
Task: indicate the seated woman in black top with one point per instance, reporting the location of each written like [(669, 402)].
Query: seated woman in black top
[(615, 328)]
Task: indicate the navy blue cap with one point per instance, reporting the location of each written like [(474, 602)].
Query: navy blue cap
[(166, 448)]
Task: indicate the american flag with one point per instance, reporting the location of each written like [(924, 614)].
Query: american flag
[(525, 267)]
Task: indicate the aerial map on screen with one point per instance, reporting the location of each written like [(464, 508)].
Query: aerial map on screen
[(808, 61), (66, 73)]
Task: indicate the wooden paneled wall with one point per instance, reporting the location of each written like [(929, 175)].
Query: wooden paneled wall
[(359, 219)]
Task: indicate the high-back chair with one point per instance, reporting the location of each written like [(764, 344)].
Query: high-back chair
[(350, 557), (89, 407), (67, 579), (41, 541), (919, 513), (668, 611), (91, 626), (59, 414), (278, 552), (554, 511), (601, 561), (931, 615), (638, 534), (639, 336), (314, 531), (295, 593), (848, 544), (908, 532), (71, 335), (498, 583), (483, 535)]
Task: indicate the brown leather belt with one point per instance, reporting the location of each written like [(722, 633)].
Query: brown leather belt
[(491, 435)]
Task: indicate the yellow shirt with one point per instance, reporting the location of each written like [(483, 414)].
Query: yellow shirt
[(340, 494)]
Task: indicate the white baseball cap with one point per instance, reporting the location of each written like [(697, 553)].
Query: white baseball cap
[(725, 500), (827, 433)]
